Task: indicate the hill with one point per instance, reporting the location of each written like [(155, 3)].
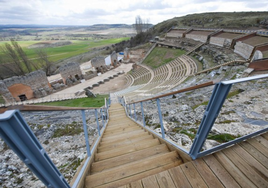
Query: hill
[(232, 20)]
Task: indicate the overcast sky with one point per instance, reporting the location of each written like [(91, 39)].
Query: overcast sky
[(89, 12)]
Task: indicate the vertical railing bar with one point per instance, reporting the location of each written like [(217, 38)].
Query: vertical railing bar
[(143, 119), (130, 110), (135, 112), (216, 101), (160, 118), (86, 132), (97, 120), (102, 117)]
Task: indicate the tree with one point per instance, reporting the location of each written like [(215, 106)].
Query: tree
[(138, 24), (46, 63), (14, 60)]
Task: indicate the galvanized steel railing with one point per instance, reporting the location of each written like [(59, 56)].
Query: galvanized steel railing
[(20, 138), (213, 108)]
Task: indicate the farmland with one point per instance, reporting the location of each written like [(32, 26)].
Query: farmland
[(63, 52)]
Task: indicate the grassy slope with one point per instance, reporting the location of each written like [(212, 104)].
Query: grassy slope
[(63, 52), (83, 102), (161, 56)]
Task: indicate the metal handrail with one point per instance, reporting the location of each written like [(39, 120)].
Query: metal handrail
[(16, 133), (219, 94), (179, 91)]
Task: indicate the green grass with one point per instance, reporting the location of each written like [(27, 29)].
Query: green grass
[(2, 99), (203, 103), (233, 93), (160, 56), (83, 102), (68, 130), (67, 51), (222, 137)]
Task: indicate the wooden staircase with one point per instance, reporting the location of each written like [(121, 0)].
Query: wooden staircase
[(127, 153)]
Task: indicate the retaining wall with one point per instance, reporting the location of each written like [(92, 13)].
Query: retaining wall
[(243, 49)]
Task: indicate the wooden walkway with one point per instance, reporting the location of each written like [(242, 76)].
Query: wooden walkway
[(127, 153), (127, 156), (244, 165)]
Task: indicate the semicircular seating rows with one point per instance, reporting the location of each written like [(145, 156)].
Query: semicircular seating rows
[(146, 82)]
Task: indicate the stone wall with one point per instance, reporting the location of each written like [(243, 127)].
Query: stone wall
[(98, 61), (243, 49), (5, 92), (126, 53), (114, 58), (174, 35), (34, 84), (70, 71), (223, 42), (201, 38)]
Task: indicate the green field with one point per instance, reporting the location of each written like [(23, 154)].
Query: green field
[(62, 52), (83, 102), (160, 56)]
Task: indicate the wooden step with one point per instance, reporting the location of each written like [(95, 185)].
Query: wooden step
[(126, 149), (121, 131), (119, 140), (127, 158), (132, 169), (119, 145), (113, 145), (117, 127), (125, 135), (137, 177)]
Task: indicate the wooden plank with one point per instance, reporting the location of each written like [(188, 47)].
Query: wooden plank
[(179, 177), (255, 153), (123, 138), (109, 146), (164, 180), (142, 141), (192, 175), (127, 158), (120, 131), (125, 135), (121, 126), (241, 179), (263, 141), (265, 135), (137, 176), (252, 162), (150, 182), (136, 184), (245, 168), (132, 169), (226, 179), (257, 145), (206, 173), (125, 150)]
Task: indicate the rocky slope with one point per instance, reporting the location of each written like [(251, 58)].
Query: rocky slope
[(244, 111), (61, 134)]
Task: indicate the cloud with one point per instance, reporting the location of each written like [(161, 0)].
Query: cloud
[(85, 12)]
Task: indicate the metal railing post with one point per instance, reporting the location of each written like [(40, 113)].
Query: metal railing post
[(97, 120), (19, 137), (135, 112), (160, 118), (86, 132), (216, 101), (142, 112), (129, 110), (102, 117)]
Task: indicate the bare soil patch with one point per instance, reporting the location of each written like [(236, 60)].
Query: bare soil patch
[(113, 85)]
